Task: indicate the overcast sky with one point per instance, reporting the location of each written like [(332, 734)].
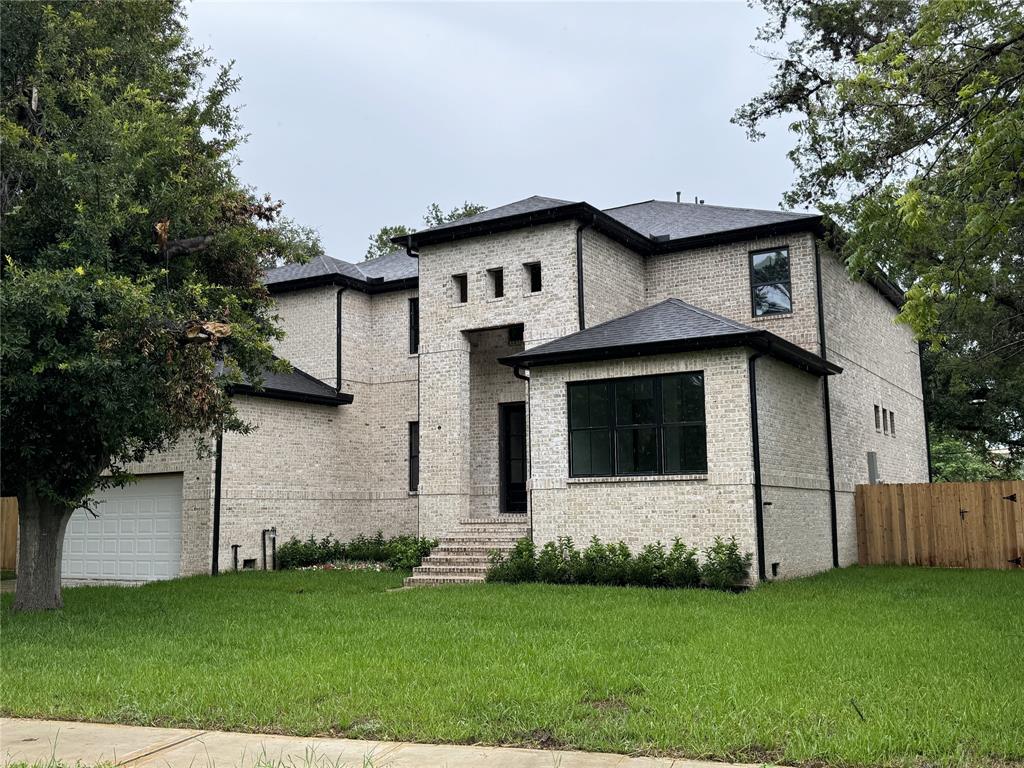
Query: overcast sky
[(361, 114)]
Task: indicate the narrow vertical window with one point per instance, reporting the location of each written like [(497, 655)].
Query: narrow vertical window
[(414, 326), (497, 280), (770, 288), (892, 423), (414, 456), (533, 277), (878, 419), (460, 284), (885, 421)]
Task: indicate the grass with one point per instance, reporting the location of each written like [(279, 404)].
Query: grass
[(878, 666)]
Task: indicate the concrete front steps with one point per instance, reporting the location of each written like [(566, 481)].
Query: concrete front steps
[(464, 555)]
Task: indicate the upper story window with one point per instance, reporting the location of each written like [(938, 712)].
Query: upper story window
[(647, 425), (878, 419), (460, 288), (414, 326), (496, 277), (533, 277), (770, 288)]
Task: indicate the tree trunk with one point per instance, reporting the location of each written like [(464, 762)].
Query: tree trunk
[(41, 526)]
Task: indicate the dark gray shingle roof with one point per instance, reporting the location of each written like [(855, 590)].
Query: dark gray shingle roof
[(669, 326), (531, 204), (655, 218), (391, 267), (294, 385)]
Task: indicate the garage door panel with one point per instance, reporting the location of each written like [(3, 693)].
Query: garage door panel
[(136, 536)]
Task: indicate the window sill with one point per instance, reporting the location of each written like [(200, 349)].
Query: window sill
[(495, 299), (637, 478), (414, 493), (763, 318)]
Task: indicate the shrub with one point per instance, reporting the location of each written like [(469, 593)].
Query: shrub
[(520, 564), (558, 562), (681, 566), (407, 552), (724, 567), (401, 552), (373, 550), (296, 553), (647, 569), (604, 563)]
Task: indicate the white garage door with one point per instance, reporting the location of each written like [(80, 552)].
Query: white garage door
[(136, 536)]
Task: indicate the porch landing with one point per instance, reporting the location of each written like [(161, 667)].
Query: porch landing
[(464, 555)]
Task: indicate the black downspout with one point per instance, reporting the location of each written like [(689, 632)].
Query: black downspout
[(924, 408), (263, 546), (215, 565), (827, 404), (580, 304), (756, 445), (337, 336), (518, 373)]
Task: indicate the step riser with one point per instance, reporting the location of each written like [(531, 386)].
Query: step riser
[(463, 556)]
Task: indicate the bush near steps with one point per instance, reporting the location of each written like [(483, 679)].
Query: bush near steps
[(559, 562), (400, 552)]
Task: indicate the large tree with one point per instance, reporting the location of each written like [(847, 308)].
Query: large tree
[(380, 243), (909, 127), (132, 257)]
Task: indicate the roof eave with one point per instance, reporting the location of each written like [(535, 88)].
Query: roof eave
[(812, 224), (342, 281), (759, 340), (342, 398)]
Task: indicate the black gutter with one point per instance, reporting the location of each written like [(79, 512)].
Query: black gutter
[(580, 304), (337, 348), (924, 409), (342, 398), (763, 341), (827, 405), (343, 281), (217, 474), (756, 447)]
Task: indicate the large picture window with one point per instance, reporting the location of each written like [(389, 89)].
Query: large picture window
[(770, 287), (648, 425)]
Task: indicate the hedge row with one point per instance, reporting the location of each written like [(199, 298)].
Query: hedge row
[(402, 552), (559, 562)]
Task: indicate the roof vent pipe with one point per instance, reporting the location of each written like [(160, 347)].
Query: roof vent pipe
[(679, 196)]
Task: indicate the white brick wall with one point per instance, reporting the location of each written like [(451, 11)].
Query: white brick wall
[(642, 511), (718, 279), (881, 366), (794, 470)]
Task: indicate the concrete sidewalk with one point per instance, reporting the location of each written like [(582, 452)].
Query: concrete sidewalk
[(37, 741)]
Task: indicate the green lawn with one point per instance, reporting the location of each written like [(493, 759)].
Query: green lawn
[(854, 667)]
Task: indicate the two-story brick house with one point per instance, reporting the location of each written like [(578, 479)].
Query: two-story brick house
[(547, 368)]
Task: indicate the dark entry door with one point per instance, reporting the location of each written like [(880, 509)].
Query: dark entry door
[(512, 443)]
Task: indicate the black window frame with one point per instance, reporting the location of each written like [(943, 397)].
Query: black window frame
[(614, 427), (754, 285), (460, 282), (878, 418), (892, 423), (534, 276), (414, 456), (414, 325), (885, 421)]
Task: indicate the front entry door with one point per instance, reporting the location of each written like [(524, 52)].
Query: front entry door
[(512, 445)]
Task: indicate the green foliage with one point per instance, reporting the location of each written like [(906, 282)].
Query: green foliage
[(909, 130), (559, 562), (724, 566), (956, 461), (296, 553), (520, 565), (400, 552), (380, 242), (132, 256)]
